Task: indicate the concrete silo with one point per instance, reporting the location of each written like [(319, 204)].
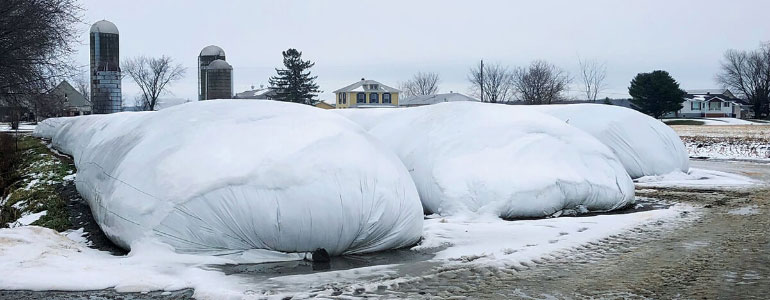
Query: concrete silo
[(219, 80), (208, 54), (105, 68)]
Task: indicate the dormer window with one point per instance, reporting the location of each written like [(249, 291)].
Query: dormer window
[(374, 86)]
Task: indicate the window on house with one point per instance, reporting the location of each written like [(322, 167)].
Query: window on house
[(714, 105), (360, 98), (344, 98), (694, 105), (726, 104), (386, 98), (374, 86), (374, 98), (339, 98)]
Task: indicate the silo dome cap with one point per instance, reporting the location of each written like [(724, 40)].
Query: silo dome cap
[(104, 26), (219, 65), (212, 50)]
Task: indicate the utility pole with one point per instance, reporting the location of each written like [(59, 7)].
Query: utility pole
[(482, 80)]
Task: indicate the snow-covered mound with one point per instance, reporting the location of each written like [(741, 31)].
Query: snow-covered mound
[(369, 117), (510, 161), (645, 145), (230, 175)]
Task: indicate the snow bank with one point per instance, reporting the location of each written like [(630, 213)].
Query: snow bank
[(237, 175), (644, 145), (368, 117), (502, 160)]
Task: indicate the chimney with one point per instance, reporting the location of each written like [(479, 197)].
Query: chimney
[(362, 79)]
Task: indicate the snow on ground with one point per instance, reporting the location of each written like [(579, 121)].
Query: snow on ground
[(264, 177), (696, 178), (6, 127), (36, 258), (726, 142), (27, 219), (496, 241)]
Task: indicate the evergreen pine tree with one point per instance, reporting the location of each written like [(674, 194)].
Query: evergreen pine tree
[(607, 101), (656, 93), (294, 83)]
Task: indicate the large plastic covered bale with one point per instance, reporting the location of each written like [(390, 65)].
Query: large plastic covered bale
[(225, 176), (644, 145), (509, 161)]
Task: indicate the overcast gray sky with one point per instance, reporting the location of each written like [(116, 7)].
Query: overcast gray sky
[(390, 40)]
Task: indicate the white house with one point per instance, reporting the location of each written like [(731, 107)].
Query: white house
[(711, 104)]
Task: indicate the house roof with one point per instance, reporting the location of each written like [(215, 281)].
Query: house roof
[(74, 98), (436, 98), (722, 98), (364, 85), (710, 92), (324, 105), (261, 93)]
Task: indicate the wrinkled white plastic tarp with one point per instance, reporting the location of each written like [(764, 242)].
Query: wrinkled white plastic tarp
[(510, 161), (645, 146), (228, 175)]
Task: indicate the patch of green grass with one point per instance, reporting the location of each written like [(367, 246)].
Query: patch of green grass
[(683, 122), (41, 173)]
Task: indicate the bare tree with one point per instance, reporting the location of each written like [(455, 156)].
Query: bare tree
[(494, 81), (540, 83), (748, 73), (152, 75), (593, 74), (46, 106), (37, 39), (421, 84), (82, 85)]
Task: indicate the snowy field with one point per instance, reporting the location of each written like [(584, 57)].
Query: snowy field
[(717, 121), (726, 142), (6, 127)]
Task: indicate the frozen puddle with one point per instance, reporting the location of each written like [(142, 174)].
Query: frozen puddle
[(40, 259)]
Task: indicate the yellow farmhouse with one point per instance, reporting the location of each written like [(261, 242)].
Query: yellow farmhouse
[(365, 94)]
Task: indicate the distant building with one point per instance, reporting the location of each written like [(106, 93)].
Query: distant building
[(366, 93), (75, 104), (106, 94), (261, 93), (419, 100), (710, 103), (215, 75), (324, 105)]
